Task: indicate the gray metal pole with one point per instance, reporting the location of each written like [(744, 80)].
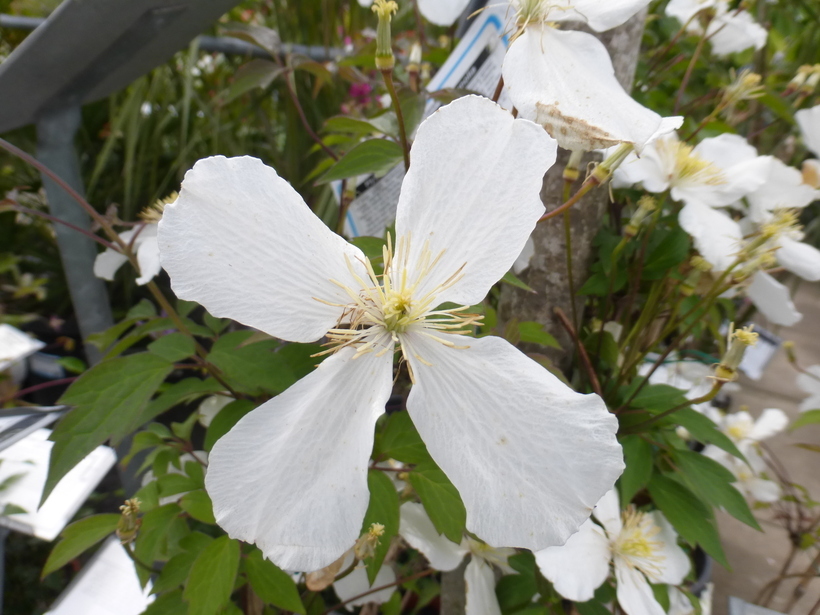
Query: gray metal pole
[(55, 149)]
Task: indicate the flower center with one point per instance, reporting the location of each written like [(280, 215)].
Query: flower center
[(688, 166), (637, 543)]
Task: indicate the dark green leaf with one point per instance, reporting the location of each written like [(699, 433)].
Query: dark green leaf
[(152, 540), (704, 430), (401, 441), (109, 400), (712, 482), (167, 604), (513, 280), (198, 504), (171, 484), (535, 333), (659, 397), (441, 500), (515, 591), (223, 422), (73, 365), (173, 347), (253, 368), (384, 509), (176, 571), (376, 156), (592, 607), (212, 577), (257, 73), (412, 108), (638, 457), (78, 537), (271, 584), (692, 519), (184, 391), (670, 249)]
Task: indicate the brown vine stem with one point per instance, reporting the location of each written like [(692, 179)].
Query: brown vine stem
[(690, 69), (588, 185), (800, 589), (582, 352), (498, 89), (303, 118), (391, 88), (41, 214), (373, 590)]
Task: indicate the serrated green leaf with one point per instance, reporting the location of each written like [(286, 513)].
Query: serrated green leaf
[(712, 482), (109, 400), (692, 519), (198, 504), (638, 458), (809, 417), (384, 509), (374, 156), (173, 347), (255, 368), (211, 580), (77, 538), (271, 584), (441, 500)]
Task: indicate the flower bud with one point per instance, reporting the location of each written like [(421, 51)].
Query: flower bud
[(384, 39)]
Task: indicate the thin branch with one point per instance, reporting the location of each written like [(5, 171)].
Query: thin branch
[(312, 133), (582, 352), (373, 590), (391, 88), (33, 212)]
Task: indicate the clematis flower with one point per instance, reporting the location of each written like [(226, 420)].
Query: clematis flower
[(565, 81), (809, 122), (643, 548), (146, 247), (729, 30), (439, 12), (443, 554), (810, 383), (528, 455), (745, 431)]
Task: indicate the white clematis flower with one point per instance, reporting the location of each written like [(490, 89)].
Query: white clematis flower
[(729, 31), (528, 455), (783, 188), (745, 431), (809, 122), (146, 247), (565, 81), (420, 533), (643, 548), (810, 383), (439, 12)]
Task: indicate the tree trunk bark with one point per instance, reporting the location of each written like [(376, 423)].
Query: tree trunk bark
[(547, 273)]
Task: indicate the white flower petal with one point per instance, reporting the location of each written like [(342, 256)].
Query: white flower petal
[(365, 3), (810, 403), (684, 10), (357, 583), (809, 122), (529, 456), (674, 564), (107, 263), (800, 258), (472, 195), (784, 188), (598, 15), (770, 422), (608, 512), (579, 567), (717, 237), (148, 255), (480, 581), (735, 31), (291, 476), (564, 80), (761, 489), (243, 243), (678, 602), (634, 593), (442, 12), (420, 533), (810, 383), (773, 300), (523, 261)]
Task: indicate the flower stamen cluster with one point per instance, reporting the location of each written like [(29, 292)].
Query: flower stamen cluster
[(689, 166), (637, 543)]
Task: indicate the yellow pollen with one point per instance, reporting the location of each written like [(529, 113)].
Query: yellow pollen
[(737, 431), (638, 540), (691, 167), (784, 222), (746, 336), (384, 8)]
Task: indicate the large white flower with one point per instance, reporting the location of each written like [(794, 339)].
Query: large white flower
[(420, 533), (809, 122), (810, 383), (528, 455), (146, 247), (643, 548), (729, 31), (565, 81), (439, 12)]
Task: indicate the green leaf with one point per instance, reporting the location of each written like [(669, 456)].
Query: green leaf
[(171, 484), (371, 246), (376, 156), (271, 584), (198, 504), (440, 499), (513, 280), (109, 400), (257, 73), (152, 539), (692, 519), (176, 571), (638, 457), (72, 364), (184, 391), (412, 108), (535, 333), (384, 509), (659, 397), (401, 441), (592, 607), (712, 482), (167, 604), (251, 367), (704, 430), (173, 347), (810, 417), (78, 537), (212, 577), (266, 38), (142, 311), (223, 422), (515, 591), (667, 250)]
